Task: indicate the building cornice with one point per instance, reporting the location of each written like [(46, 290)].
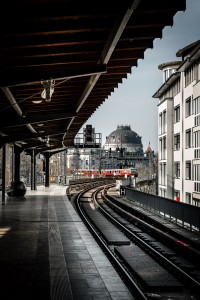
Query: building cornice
[(189, 61), (166, 85)]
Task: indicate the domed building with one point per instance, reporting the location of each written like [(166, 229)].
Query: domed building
[(123, 149), (124, 137)]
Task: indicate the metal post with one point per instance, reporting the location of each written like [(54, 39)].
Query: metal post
[(47, 171), (33, 170), (4, 174), (65, 167), (17, 164)]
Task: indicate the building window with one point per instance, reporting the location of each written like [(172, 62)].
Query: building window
[(197, 72), (164, 147), (197, 153), (188, 170), (176, 87), (197, 144), (177, 114), (162, 192), (197, 139), (188, 107), (189, 75), (167, 73), (160, 149), (197, 187), (188, 138), (177, 141), (177, 169), (188, 198), (197, 172), (177, 195), (196, 169), (162, 174), (197, 111), (197, 120), (173, 90), (162, 122), (197, 106)]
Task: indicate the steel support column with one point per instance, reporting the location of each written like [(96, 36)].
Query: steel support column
[(4, 174), (47, 160), (33, 170), (17, 152)]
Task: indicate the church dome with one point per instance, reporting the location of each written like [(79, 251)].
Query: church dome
[(124, 137)]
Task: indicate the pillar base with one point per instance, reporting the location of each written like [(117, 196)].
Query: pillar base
[(18, 189)]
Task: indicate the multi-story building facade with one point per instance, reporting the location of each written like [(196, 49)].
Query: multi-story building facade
[(179, 127)]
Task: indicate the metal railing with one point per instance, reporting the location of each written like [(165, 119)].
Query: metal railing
[(183, 214)]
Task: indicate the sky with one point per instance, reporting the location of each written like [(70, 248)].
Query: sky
[(132, 102)]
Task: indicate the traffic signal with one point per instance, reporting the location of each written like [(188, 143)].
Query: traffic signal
[(88, 133)]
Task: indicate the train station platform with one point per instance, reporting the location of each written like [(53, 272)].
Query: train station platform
[(46, 252)]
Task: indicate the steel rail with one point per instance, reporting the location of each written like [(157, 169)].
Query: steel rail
[(155, 252), (139, 292)]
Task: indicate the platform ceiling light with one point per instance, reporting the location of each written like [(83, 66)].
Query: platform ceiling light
[(48, 89), (37, 101)]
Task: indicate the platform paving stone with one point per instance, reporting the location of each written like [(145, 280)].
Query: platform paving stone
[(46, 252)]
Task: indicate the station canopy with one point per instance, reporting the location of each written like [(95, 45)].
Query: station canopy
[(61, 59)]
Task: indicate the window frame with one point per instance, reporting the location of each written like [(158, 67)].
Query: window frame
[(177, 141), (177, 171), (188, 170), (188, 107), (177, 114), (188, 138)]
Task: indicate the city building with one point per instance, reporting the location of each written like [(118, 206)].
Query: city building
[(125, 138), (123, 149), (179, 127)]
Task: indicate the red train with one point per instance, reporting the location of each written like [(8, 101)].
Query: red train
[(126, 172)]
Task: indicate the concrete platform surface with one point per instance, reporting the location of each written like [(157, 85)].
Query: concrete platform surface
[(46, 252)]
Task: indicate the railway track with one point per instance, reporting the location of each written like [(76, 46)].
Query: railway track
[(149, 267)]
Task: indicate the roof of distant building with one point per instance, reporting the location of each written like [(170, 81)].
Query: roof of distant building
[(187, 49), (124, 137), (169, 64), (149, 149)]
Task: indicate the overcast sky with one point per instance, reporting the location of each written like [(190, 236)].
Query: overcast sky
[(132, 103)]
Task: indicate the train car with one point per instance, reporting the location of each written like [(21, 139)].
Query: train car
[(125, 172), (89, 172)]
